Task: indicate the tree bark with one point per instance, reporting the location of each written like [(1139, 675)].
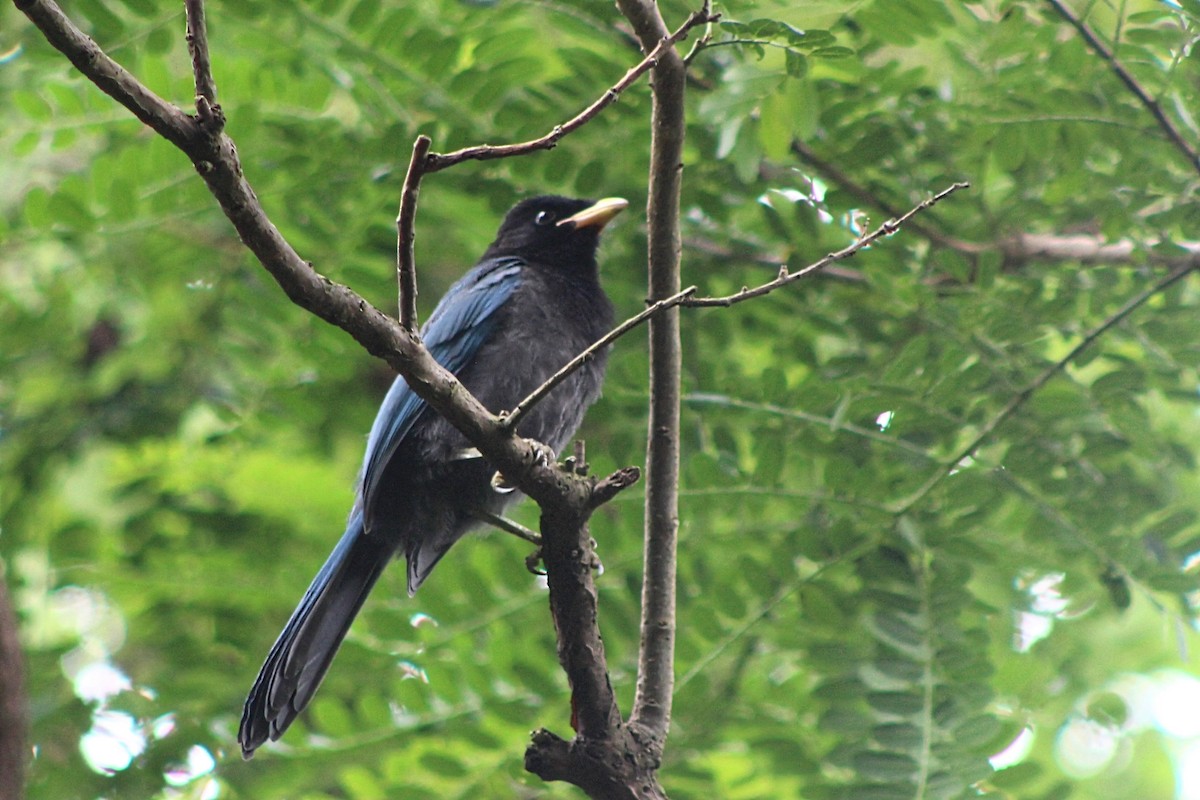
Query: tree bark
[(651, 714)]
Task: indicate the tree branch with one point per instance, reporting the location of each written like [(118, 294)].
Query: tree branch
[(197, 40), (215, 157), (1017, 248), (865, 196), (406, 268), (1087, 249), (1168, 127), (834, 425), (651, 715), (509, 526), (565, 497), (785, 277), (511, 419), (109, 76), (439, 161)]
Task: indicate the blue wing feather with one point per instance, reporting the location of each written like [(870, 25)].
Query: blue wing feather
[(462, 322)]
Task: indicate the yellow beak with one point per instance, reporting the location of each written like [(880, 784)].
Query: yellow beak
[(598, 214)]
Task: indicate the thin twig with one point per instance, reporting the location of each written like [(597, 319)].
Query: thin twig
[(509, 526), (864, 195), (511, 418), (785, 277), (440, 161), (1019, 399), (1173, 133), (406, 268), (109, 76), (215, 157), (699, 44), (197, 41), (815, 419)]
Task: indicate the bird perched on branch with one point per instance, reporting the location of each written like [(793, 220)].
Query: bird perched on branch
[(529, 306)]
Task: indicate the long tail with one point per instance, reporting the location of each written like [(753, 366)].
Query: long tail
[(302, 653)]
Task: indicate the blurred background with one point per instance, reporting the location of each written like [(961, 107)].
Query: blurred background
[(902, 573)]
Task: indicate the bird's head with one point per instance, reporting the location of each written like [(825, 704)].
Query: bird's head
[(559, 231)]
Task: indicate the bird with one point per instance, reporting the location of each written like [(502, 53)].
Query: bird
[(531, 304)]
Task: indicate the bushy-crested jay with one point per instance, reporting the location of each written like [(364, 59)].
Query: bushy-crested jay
[(531, 304)]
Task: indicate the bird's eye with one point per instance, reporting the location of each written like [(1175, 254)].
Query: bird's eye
[(543, 218)]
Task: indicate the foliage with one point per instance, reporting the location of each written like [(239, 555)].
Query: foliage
[(864, 612)]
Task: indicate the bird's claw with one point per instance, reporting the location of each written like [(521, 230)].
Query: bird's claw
[(531, 562), (501, 486), (592, 560), (542, 456)]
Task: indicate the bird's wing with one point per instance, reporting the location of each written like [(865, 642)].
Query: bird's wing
[(453, 334)]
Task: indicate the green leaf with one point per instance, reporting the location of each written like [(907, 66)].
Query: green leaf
[(901, 704), (898, 736), (796, 63), (884, 766)]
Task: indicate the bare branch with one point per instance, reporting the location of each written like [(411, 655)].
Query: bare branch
[(786, 277), (510, 419), (1088, 249), (1018, 400), (699, 44), (406, 268), (197, 40), (709, 398), (215, 157), (509, 526), (1016, 249), (1168, 127), (744, 251), (864, 195), (109, 76), (614, 484), (440, 161), (651, 715)]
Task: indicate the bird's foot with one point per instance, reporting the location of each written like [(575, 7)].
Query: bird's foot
[(501, 486), (542, 456), (532, 560)]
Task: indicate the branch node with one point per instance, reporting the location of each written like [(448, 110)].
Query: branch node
[(614, 484), (209, 116)]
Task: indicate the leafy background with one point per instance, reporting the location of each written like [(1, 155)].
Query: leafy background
[(179, 442)]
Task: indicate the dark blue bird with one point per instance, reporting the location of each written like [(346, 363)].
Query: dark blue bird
[(531, 304)]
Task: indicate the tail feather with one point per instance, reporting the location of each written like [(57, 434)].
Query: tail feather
[(302, 654)]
